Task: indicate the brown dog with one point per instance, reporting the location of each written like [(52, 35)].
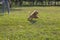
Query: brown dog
[(33, 15)]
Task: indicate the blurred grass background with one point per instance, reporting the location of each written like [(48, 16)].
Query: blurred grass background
[(16, 27)]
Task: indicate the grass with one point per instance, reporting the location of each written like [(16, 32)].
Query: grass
[(16, 27)]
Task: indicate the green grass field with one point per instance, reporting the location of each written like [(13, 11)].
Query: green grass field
[(16, 27)]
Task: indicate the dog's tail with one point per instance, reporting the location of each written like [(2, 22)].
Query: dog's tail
[(29, 19)]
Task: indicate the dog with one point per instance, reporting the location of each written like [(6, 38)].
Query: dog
[(33, 16)]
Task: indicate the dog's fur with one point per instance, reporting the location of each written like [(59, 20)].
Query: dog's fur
[(33, 15)]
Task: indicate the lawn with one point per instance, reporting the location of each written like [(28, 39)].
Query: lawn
[(16, 27)]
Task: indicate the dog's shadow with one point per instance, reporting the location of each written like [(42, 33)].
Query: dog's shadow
[(33, 21)]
